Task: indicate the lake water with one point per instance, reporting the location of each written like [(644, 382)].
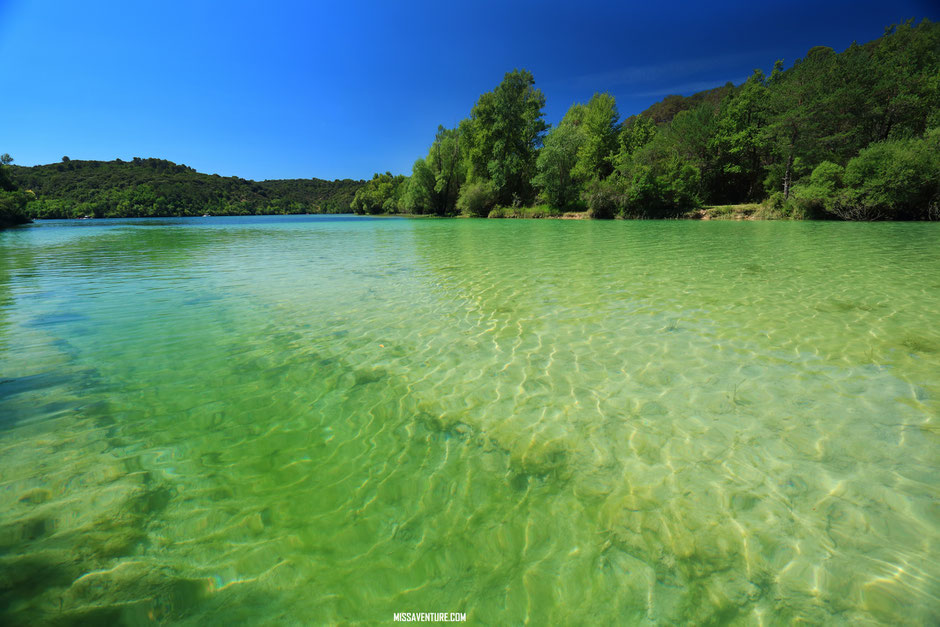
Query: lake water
[(332, 419)]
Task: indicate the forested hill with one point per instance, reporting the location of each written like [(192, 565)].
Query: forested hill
[(669, 107), (156, 187)]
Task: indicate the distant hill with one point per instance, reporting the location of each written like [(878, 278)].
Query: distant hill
[(666, 109), (156, 187)]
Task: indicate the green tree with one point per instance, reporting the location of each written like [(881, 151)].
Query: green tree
[(503, 135), (555, 167), (435, 181), (419, 191), (476, 198), (598, 120), (636, 133), (12, 202), (740, 142), (793, 95), (894, 179), (902, 89), (449, 169), (383, 194)]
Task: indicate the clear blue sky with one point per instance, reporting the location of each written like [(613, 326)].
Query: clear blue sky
[(344, 89)]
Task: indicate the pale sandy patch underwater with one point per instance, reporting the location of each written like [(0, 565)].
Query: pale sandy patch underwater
[(311, 420)]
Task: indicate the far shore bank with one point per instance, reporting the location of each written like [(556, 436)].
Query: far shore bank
[(734, 212)]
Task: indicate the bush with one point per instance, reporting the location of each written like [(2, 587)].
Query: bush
[(665, 189), (890, 180), (604, 199), (818, 197), (476, 199), (776, 207), (13, 208), (893, 180)]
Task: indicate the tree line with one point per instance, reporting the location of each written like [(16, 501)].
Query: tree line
[(849, 135), (160, 188)]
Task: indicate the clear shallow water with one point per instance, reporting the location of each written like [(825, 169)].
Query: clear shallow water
[(315, 420)]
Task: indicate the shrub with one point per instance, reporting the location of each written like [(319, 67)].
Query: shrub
[(13, 208), (893, 180), (776, 207), (889, 180), (476, 199), (819, 196), (664, 190), (604, 199)]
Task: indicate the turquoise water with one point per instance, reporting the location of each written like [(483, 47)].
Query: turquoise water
[(316, 420)]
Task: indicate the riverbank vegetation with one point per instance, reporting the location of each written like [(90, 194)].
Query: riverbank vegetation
[(12, 201), (157, 188), (853, 135)]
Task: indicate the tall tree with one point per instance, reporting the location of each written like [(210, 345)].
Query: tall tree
[(905, 89), (435, 180), (599, 122), (796, 98), (740, 142), (446, 162), (503, 135), (556, 163), (637, 131), (419, 190)]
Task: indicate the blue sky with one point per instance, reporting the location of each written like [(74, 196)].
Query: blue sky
[(344, 89)]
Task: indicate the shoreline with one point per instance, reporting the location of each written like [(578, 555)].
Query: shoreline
[(745, 212)]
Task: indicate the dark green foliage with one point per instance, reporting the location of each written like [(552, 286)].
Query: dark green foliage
[(503, 135), (538, 211), (12, 202), (815, 197), (13, 208), (662, 190), (897, 179), (582, 149), (419, 196), (155, 187), (830, 106), (435, 181), (555, 177), (477, 198), (637, 132), (598, 120), (866, 110), (664, 111), (889, 180), (662, 177), (740, 143), (604, 199), (312, 195), (383, 194)]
